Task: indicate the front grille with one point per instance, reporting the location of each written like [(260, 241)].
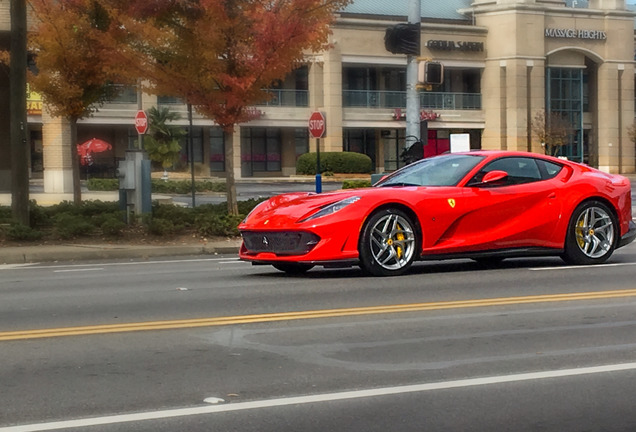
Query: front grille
[(281, 242)]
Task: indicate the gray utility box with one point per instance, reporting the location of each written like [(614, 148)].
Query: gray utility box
[(126, 174)]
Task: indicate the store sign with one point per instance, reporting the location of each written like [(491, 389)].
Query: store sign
[(399, 114), (445, 45), (34, 102), (575, 34)]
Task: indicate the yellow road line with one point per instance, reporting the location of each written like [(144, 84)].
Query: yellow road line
[(290, 316)]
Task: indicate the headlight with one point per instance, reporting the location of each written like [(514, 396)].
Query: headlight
[(331, 208)]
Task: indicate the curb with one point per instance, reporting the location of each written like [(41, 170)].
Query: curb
[(37, 254)]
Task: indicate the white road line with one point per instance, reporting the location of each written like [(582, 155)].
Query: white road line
[(327, 397), (38, 266), (77, 270), (581, 266)]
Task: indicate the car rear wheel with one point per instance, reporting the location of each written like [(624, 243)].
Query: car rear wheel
[(387, 243), (591, 236), (293, 268)]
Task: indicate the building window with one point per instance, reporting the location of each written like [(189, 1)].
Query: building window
[(564, 88), (217, 150), (301, 141), (197, 146), (393, 141), (360, 141), (260, 150)]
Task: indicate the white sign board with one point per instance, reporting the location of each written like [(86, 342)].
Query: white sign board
[(459, 143)]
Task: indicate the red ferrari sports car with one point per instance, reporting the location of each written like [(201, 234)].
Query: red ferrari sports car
[(484, 205)]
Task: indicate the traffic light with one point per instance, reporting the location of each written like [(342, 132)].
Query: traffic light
[(403, 39), (430, 72)]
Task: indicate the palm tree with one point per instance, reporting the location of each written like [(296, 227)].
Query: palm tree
[(162, 143)]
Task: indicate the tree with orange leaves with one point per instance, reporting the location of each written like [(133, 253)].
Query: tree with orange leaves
[(219, 56), (74, 62)]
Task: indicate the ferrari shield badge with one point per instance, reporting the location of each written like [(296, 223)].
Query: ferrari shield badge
[(451, 202)]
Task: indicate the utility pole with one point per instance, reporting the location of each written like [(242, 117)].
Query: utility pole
[(412, 94), (18, 117)]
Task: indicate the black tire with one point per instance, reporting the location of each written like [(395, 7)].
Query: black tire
[(592, 234), (388, 243), (293, 268)]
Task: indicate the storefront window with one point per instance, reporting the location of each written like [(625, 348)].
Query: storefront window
[(260, 150), (393, 141), (197, 147), (217, 150), (360, 141), (565, 96), (301, 141)]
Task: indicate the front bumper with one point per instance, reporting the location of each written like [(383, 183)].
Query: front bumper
[(629, 236)]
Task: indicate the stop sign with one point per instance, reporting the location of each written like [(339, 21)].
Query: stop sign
[(141, 122), (317, 124)]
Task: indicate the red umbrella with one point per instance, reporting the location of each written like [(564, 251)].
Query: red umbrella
[(95, 145)]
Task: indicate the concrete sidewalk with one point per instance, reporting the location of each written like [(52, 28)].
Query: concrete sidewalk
[(81, 252)]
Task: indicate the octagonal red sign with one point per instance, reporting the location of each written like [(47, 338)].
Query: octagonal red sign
[(141, 122), (317, 124)]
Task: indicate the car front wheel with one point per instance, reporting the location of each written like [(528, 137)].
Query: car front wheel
[(591, 236), (387, 243)]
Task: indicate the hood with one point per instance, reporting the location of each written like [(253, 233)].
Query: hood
[(282, 210)]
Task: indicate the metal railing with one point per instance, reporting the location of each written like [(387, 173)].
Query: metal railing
[(395, 99), (284, 97), (125, 94)]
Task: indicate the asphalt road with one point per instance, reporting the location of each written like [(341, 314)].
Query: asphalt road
[(200, 344)]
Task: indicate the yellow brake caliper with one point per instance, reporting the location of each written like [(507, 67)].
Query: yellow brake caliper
[(399, 237), (580, 238)]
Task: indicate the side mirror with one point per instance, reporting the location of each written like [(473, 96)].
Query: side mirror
[(494, 176)]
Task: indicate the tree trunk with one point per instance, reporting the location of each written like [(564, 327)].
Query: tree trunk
[(18, 118), (75, 166), (232, 200)]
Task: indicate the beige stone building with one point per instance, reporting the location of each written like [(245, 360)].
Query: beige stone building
[(504, 61)]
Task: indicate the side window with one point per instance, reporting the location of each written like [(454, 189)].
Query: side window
[(549, 169), (520, 170)]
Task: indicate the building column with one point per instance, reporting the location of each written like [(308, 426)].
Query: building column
[(332, 96), (494, 105), (627, 146), (235, 140), (536, 103), (516, 109), (56, 147), (5, 136), (608, 117)]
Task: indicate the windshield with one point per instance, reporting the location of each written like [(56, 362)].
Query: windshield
[(446, 170)]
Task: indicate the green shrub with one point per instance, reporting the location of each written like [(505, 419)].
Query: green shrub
[(334, 162), (161, 186), (112, 226), (38, 215), (102, 184), (180, 216), (161, 227), (355, 184), (19, 232), (217, 225), (184, 187), (68, 225), (5, 214)]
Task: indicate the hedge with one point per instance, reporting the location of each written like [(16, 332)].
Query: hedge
[(160, 186), (335, 162)]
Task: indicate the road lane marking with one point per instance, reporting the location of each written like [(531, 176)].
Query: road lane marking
[(311, 314), (78, 270), (579, 267), (129, 263), (319, 398)]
